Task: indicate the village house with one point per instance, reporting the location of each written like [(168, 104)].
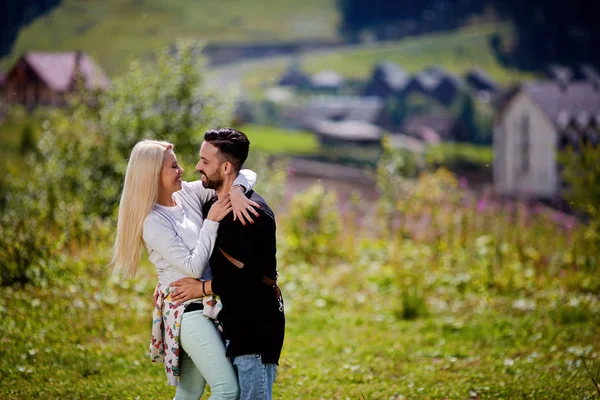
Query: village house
[(345, 133), (337, 109), (563, 74), (433, 128), (435, 83), (386, 80), (482, 84), (327, 82), (536, 121), (40, 78), (294, 77)]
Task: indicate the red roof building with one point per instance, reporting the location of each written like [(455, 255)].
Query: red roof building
[(40, 78)]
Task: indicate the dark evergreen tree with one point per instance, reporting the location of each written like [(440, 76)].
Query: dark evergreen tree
[(549, 31), (15, 14)]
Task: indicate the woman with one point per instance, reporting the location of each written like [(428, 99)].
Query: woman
[(162, 212)]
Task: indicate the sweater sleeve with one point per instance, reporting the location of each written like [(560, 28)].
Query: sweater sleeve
[(246, 178), (160, 237)]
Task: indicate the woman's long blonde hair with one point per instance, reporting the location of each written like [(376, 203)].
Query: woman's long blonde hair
[(140, 192)]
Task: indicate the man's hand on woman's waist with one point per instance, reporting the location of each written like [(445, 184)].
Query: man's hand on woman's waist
[(189, 288)]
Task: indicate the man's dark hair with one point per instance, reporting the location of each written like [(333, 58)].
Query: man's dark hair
[(232, 144)]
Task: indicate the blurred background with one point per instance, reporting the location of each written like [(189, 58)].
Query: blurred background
[(434, 165)]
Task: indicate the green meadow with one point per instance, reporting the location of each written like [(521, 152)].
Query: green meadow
[(280, 142), (368, 317), (456, 51), (430, 291), (114, 31)]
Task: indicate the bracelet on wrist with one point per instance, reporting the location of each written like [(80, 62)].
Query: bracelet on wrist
[(203, 291)]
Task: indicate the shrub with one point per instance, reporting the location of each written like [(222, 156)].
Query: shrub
[(459, 156), (27, 246), (77, 170), (581, 172), (314, 226), (27, 140), (272, 178)]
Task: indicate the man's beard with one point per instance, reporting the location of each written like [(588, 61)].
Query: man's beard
[(215, 181)]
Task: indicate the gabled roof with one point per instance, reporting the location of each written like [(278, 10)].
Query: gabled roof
[(395, 76), (365, 109), (577, 102), (338, 108), (347, 130), (293, 76), (432, 77), (326, 79), (410, 143), (481, 78), (590, 74), (564, 74), (57, 69), (430, 127)]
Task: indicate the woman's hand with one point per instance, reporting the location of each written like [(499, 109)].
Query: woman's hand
[(220, 209), (242, 206), (189, 288)]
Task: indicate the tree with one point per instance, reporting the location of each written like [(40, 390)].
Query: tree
[(467, 118), (357, 15), (14, 14), (581, 173), (27, 140), (77, 172), (549, 31)]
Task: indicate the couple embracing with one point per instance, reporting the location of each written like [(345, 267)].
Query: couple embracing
[(218, 316)]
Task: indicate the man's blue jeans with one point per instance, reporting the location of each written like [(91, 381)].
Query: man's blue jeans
[(255, 378)]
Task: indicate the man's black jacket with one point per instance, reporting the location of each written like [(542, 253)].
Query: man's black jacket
[(252, 315)]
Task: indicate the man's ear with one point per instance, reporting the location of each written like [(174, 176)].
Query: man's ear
[(226, 168)]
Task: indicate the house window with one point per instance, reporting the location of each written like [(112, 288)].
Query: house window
[(525, 135)]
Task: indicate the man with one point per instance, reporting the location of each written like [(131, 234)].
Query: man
[(244, 271)]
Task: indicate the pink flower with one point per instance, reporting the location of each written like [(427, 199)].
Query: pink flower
[(481, 205)]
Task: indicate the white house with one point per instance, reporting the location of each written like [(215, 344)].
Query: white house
[(536, 121)]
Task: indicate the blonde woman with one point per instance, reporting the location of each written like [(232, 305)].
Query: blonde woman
[(164, 213)]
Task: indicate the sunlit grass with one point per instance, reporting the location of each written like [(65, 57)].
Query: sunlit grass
[(278, 141), (116, 31), (456, 51), (86, 336)]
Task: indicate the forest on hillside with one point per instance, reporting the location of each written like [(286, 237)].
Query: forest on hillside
[(547, 31)]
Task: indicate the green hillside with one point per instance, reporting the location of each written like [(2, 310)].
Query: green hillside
[(456, 51), (115, 31)]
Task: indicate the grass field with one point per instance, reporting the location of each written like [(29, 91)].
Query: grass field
[(455, 51), (86, 336), (116, 31), (277, 141)]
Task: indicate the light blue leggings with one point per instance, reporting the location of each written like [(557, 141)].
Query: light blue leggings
[(203, 361)]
